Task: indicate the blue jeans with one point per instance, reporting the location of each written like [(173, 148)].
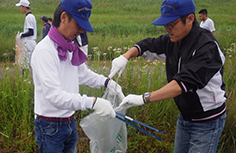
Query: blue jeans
[(56, 137), (198, 137)]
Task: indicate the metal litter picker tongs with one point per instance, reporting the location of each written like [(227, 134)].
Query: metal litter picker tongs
[(123, 117)]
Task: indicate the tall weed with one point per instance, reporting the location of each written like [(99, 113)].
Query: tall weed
[(16, 109)]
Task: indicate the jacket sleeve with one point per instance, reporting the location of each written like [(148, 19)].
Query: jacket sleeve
[(154, 45), (206, 64)]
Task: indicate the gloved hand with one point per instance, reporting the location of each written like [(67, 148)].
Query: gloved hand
[(21, 35), (131, 100), (103, 108), (114, 87), (118, 65), (18, 36)]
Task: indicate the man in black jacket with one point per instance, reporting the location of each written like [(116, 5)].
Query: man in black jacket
[(194, 68)]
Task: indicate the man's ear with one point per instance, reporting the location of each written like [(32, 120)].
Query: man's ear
[(64, 17), (190, 19)]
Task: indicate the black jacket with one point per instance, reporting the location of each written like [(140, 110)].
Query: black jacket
[(46, 29), (196, 63)]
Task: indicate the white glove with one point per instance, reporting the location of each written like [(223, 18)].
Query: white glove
[(114, 87), (18, 35), (118, 65), (131, 100), (21, 34), (103, 108)]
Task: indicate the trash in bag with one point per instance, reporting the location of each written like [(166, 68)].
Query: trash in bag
[(20, 55), (106, 135)]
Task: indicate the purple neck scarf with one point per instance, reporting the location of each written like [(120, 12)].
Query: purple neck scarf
[(66, 45)]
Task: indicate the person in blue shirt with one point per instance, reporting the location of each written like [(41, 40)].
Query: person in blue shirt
[(46, 26)]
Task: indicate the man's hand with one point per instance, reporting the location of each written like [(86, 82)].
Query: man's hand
[(131, 100), (18, 36), (103, 108), (118, 65)]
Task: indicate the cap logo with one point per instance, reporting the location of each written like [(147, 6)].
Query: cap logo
[(85, 14), (85, 8), (163, 8)]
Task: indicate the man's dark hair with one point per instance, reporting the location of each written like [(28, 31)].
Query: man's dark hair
[(57, 16), (50, 19), (203, 11), (28, 8)]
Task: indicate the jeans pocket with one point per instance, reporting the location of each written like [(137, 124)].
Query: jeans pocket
[(222, 120), (50, 129), (223, 116), (36, 124), (38, 133)]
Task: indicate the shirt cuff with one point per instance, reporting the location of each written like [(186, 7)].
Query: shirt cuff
[(139, 49), (89, 102)]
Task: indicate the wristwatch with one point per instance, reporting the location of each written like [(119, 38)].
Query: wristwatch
[(146, 96)]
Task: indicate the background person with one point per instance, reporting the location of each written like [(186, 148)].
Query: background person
[(50, 21), (206, 22), (58, 70), (194, 68), (82, 41), (46, 25), (30, 29)]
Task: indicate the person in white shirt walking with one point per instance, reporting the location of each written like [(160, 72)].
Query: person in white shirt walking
[(30, 30), (58, 70), (206, 22)]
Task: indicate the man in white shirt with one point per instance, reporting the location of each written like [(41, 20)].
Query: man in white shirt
[(30, 30), (206, 22), (58, 70)]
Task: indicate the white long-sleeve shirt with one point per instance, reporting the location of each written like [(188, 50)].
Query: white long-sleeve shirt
[(56, 82)]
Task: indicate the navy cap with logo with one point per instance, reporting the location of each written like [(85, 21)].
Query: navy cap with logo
[(80, 11), (174, 9), (44, 18)]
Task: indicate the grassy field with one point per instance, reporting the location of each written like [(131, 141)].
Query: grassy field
[(118, 25)]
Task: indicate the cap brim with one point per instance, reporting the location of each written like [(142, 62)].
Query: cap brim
[(84, 24), (162, 20), (18, 4)]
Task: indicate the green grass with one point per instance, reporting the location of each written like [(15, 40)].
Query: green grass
[(118, 25)]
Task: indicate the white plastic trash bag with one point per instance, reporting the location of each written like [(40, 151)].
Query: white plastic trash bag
[(20, 54), (106, 135)]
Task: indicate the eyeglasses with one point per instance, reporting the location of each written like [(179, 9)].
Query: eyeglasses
[(170, 26)]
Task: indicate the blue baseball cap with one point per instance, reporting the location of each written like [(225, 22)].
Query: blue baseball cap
[(174, 9), (80, 11)]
